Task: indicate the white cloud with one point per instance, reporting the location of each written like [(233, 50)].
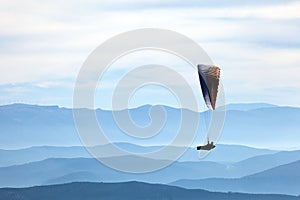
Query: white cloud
[(43, 42)]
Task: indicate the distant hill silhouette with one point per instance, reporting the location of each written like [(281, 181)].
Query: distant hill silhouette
[(61, 170), (263, 162), (249, 106), (283, 179), (32, 154), (262, 125), (125, 191), (65, 170)]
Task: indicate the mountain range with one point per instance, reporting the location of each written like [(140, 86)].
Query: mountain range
[(260, 125), (126, 190), (66, 170), (40, 146), (283, 179), (220, 154)]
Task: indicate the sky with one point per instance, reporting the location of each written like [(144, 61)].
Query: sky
[(43, 45)]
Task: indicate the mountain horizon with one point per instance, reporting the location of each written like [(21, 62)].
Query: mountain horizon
[(33, 125), (125, 190), (277, 180), (229, 106)]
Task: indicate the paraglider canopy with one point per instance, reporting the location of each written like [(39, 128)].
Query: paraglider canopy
[(209, 76)]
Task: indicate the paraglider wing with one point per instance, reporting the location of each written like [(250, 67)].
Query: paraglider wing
[(209, 76)]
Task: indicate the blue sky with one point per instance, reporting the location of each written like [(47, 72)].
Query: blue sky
[(43, 45)]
